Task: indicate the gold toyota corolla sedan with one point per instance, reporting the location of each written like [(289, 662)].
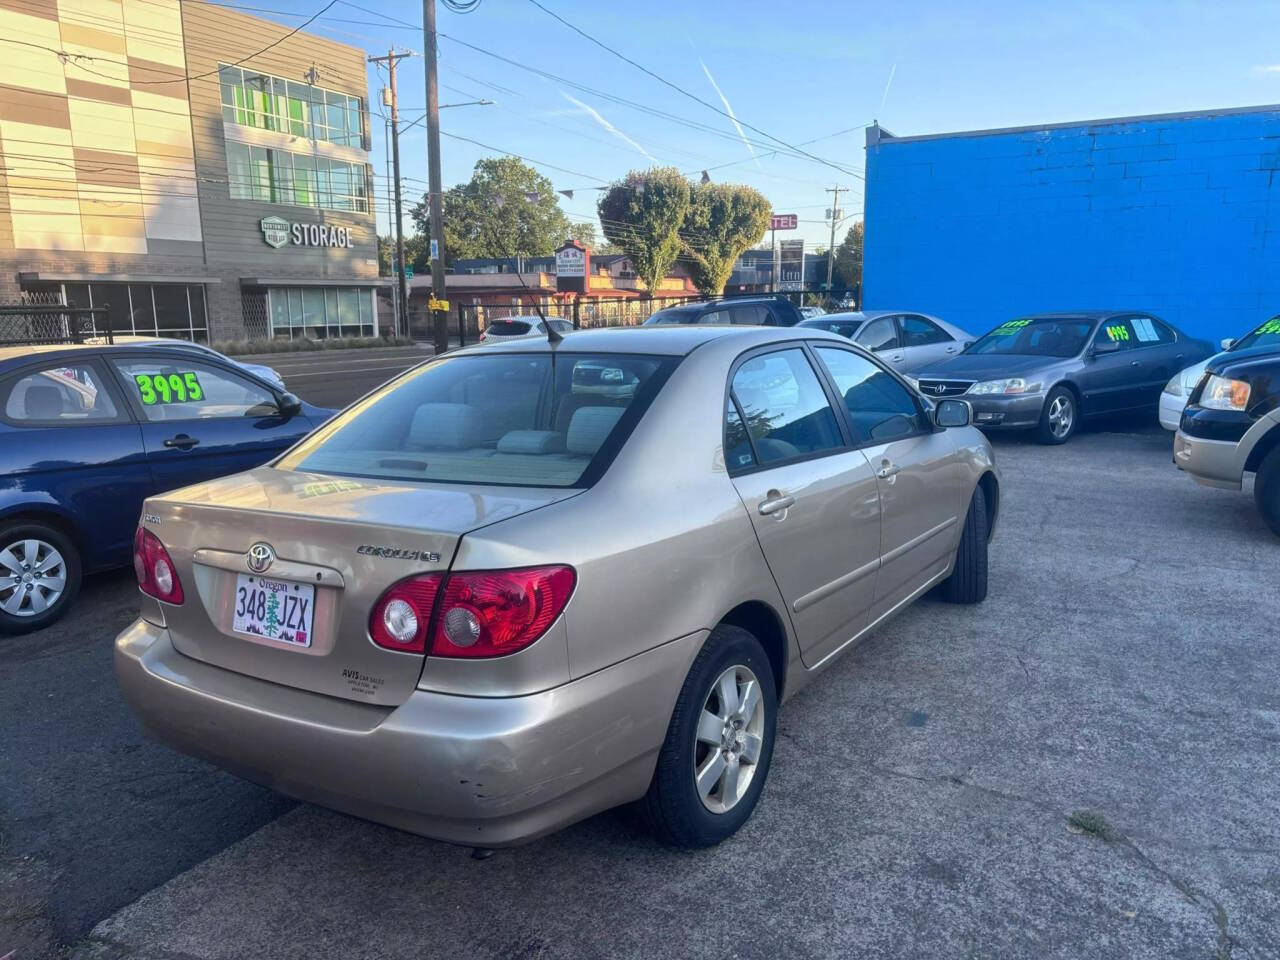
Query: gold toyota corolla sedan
[(523, 583)]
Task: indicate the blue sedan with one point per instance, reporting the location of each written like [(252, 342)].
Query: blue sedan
[(87, 432)]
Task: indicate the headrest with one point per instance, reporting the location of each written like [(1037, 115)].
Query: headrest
[(42, 402), (447, 426), (531, 441), (590, 426)]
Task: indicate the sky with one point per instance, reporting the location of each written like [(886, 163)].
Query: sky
[(789, 73)]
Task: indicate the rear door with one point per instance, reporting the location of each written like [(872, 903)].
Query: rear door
[(1162, 355), (812, 499), (881, 337), (924, 342), (202, 420), (916, 469)]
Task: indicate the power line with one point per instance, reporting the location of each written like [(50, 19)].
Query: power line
[(692, 96)]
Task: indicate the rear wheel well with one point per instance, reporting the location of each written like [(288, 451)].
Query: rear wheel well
[(760, 621), (1270, 440), (991, 491)]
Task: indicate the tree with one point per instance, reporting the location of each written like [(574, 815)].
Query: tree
[(506, 209), (386, 250), (847, 270), (724, 219), (585, 234), (643, 214)]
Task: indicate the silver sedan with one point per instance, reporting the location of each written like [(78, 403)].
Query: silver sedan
[(907, 341), (523, 583)]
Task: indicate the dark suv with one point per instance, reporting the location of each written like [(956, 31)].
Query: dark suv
[(1231, 426), (748, 311)]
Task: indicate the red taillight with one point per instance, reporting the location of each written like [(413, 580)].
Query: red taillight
[(401, 616), (490, 613), (157, 576)]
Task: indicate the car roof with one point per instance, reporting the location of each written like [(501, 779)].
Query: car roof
[(1082, 314), (847, 316), (669, 340), (71, 349)]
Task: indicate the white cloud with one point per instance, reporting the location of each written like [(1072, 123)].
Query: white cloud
[(595, 115), (1266, 68), (732, 116)]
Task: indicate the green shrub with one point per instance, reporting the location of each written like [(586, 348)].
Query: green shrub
[(236, 348)]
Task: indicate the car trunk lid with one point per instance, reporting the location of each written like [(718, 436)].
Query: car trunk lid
[(328, 547)]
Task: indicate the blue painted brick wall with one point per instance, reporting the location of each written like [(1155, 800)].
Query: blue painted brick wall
[(1176, 215)]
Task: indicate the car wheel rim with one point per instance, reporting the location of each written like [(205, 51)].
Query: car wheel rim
[(1060, 416), (33, 576), (729, 739)]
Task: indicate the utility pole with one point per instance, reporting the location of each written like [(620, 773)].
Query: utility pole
[(441, 319), (391, 59), (835, 215)]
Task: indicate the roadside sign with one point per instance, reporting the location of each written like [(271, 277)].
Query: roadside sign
[(435, 250), (784, 221), (434, 304), (408, 271)]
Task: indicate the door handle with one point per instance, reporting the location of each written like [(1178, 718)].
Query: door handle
[(1135, 363), (896, 359), (951, 349), (182, 442), (775, 502), (887, 469)]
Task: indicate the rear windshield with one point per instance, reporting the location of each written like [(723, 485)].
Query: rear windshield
[(1267, 335), (509, 328), (676, 315), (1036, 337), (542, 420)]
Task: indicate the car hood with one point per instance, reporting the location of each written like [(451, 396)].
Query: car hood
[(1245, 364), (985, 366)]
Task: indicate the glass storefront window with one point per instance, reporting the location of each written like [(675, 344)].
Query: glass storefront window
[(139, 309), (313, 307), (318, 312)]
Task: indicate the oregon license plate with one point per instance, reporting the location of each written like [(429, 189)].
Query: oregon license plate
[(275, 609)]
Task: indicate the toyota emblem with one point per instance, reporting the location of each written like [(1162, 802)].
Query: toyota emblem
[(260, 557)]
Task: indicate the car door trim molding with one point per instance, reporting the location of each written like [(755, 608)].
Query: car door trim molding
[(915, 541), (835, 586)]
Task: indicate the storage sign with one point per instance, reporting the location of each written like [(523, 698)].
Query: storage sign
[(279, 232)]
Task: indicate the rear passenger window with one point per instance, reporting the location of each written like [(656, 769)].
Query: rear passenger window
[(878, 334), (737, 445), (715, 317), (879, 406), (1148, 331), (60, 395), (919, 332), (750, 314), (787, 413)]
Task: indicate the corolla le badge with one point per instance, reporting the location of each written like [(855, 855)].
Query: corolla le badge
[(259, 557)]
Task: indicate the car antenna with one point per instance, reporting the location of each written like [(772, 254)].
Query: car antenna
[(553, 336)]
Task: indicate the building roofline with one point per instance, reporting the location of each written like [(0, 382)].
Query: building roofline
[(877, 135)]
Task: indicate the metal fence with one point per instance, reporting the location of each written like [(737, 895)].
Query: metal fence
[(39, 318)]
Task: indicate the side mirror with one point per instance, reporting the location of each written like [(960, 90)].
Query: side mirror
[(1228, 343), (1105, 346), (289, 404), (953, 413)]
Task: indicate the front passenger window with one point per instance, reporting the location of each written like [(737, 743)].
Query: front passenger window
[(786, 411), (880, 407), (877, 335), (172, 388)]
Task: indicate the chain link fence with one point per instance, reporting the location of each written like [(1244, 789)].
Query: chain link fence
[(36, 318)]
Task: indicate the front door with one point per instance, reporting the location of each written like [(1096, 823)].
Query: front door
[(201, 420), (924, 342), (881, 337), (916, 470), (812, 499), (1113, 373)]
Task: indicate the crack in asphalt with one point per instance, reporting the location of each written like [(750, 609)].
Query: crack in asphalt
[(1226, 942)]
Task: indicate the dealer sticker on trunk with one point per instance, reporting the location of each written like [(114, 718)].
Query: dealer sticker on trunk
[(275, 609)]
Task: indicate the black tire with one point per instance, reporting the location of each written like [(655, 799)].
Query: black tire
[(1266, 490), (673, 807), (17, 532), (1048, 430), (968, 580)]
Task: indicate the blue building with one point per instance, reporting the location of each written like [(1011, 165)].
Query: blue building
[(1178, 214)]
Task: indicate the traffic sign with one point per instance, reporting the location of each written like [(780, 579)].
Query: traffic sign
[(784, 221), (434, 304), (435, 250), (408, 271)]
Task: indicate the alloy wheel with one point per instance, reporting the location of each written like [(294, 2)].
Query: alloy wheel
[(33, 576), (729, 739), (1061, 416)]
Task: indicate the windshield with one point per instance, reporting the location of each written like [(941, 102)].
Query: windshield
[(1036, 337), (1267, 335), (515, 419)]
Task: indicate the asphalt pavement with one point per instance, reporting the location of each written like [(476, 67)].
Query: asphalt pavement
[(1082, 766), (334, 378)]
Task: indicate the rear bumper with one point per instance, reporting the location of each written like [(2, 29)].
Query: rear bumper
[(471, 770), (1171, 410), (1006, 413)]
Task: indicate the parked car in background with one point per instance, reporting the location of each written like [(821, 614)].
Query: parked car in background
[(908, 341), (810, 312), (87, 432), (1178, 390), (1231, 426), (259, 370), (769, 311), (534, 599), (1047, 372), (516, 328)]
